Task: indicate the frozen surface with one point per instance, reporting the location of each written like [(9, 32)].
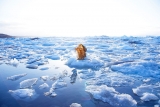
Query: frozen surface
[(16, 77), (75, 105), (28, 83), (130, 65), (108, 94)]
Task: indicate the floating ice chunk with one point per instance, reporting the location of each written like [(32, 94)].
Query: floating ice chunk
[(75, 105), (156, 105), (53, 57), (30, 61), (43, 86), (73, 76), (51, 92), (85, 64), (44, 78), (108, 94), (143, 89), (22, 93), (148, 97), (14, 62), (45, 68), (141, 68), (28, 83), (32, 66), (59, 84), (146, 80), (87, 75), (16, 77)]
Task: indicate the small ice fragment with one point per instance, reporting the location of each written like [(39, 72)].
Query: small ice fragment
[(53, 78), (156, 105), (146, 80), (53, 94), (148, 97), (73, 76), (22, 93), (32, 66), (28, 83), (75, 105), (44, 78), (16, 77), (45, 68), (14, 62), (43, 86), (59, 84)]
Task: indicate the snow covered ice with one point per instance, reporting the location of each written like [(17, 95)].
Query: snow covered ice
[(112, 65)]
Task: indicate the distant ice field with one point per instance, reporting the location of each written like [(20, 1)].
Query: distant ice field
[(44, 72)]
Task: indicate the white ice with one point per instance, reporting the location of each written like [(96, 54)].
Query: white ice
[(108, 94), (16, 77), (28, 83), (44, 78), (22, 93), (43, 86), (75, 105), (148, 97), (83, 64)]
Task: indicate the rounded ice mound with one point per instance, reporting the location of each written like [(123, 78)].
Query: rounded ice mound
[(75, 105), (84, 64), (108, 94), (28, 83)]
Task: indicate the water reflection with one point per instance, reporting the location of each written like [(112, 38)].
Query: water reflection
[(73, 76)]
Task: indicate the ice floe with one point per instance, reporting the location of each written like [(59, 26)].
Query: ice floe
[(44, 78), (32, 66), (148, 97), (43, 86), (73, 76), (23, 94), (144, 68), (108, 94), (56, 85), (75, 105), (28, 83), (16, 77), (84, 64)]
